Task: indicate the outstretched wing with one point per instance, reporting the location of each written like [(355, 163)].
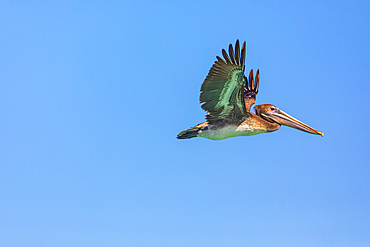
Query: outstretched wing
[(223, 89), (251, 89)]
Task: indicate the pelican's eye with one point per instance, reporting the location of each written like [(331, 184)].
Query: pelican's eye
[(272, 108)]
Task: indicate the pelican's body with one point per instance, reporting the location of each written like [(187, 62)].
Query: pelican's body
[(248, 126), (228, 97)]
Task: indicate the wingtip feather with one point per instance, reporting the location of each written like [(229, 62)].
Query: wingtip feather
[(231, 53), (242, 59), (251, 79), (257, 81), (227, 59), (237, 53)]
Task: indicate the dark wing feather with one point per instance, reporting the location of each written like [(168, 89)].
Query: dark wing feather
[(251, 89), (223, 89)]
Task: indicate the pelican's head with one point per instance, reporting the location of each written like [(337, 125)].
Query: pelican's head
[(273, 114)]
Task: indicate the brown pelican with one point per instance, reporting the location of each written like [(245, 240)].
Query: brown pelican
[(228, 95)]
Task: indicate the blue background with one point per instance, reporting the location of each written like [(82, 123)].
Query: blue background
[(93, 94)]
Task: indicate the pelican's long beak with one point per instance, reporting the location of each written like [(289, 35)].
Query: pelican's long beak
[(285, 119)]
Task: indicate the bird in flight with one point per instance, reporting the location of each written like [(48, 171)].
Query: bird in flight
[(227, 96)]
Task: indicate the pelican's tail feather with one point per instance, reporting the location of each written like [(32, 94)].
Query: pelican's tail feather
[(189, 133)]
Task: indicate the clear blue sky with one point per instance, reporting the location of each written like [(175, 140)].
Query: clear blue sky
[(93, 94)]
